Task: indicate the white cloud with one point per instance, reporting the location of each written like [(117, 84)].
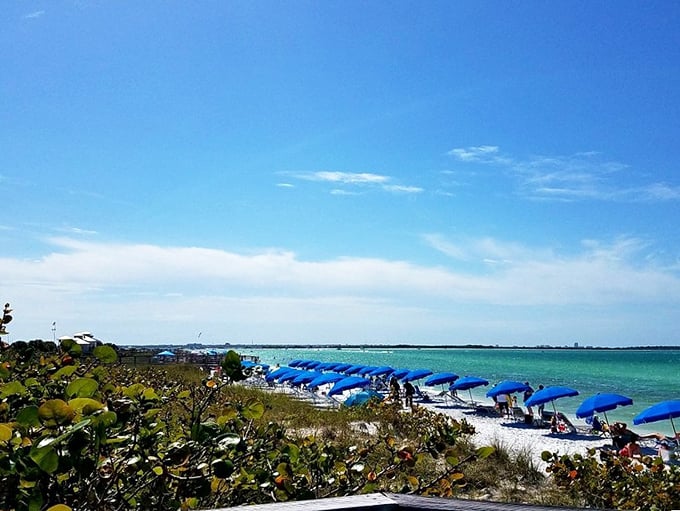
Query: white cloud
[(403, 189), (583, 175), (285, 185), (475, 153), (105, 286), (345, 177), (33, 15), (360, 179)]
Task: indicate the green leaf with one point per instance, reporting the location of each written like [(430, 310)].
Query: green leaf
[(4, 371), (45, 457), (222, 468), (85, 405), (13, 388), (106, 419), (5, 433), (65, 371), (36, 501), (28, 417), (56, 412), (150, 395), (31, 382), (59, 507), (485, 452), (82, 387), (106, 354), (293, 452), (231, 366), (253, 410), (185, 394), (71, 347), (134, 391), (452, 460)]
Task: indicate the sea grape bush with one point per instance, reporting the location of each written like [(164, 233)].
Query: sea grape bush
[(86, 432), (616, 482)]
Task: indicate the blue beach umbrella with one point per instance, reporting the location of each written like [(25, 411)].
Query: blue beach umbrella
[(278, 372), (362, 397), (665, 410), (349, 383), (325, 378), (550, 394), (333, 366), (325, 366), (290, 375), (380, 371), (468, 383), (601, 403), (247, 363), (354, 369), (416, 374), (313, 364), (507, 387), (165, 354), (365, 370), (294, 363), (306, 377), (340, 368), (400, 373), (441, 379)]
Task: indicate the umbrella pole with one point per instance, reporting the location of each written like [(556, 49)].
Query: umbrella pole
[(607, 421), (675, 433), (472, 401)]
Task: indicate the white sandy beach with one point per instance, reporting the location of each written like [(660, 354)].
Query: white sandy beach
[(518, 436), (490, 430)]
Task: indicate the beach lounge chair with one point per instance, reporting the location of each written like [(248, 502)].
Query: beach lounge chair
[(518, 414), (422, 396), (487, 410)]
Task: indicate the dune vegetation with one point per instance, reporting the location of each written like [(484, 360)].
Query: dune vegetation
[(83, 431)]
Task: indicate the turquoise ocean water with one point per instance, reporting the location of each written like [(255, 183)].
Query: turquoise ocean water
[(646, 376)]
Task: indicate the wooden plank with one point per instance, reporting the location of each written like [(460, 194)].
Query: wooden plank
[(370, 502), (396, 502)]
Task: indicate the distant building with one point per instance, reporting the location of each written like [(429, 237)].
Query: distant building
[(85, 340), (575, 345)]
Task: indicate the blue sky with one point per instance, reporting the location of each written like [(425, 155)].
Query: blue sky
[(385, 172)]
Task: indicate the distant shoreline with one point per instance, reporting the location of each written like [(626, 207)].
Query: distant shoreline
[(241, 346)]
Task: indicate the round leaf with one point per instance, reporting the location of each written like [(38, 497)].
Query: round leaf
[(13, 388), (28, 417), (5, 433), (82, 387), (253, 410), (85, 405), (56, 412), (106, 354)]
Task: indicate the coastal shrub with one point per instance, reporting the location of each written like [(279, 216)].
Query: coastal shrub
[(87, 432), (605, 480)]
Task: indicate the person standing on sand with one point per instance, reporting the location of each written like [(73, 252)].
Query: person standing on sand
[(541, 406), (395, 390), (409, 391), (527, 394)]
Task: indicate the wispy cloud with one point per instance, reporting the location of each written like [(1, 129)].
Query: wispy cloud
[(357, 179), (580, 176), (34, 14), (403, 189), (344, 177), (77, 231), (285, 185)]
